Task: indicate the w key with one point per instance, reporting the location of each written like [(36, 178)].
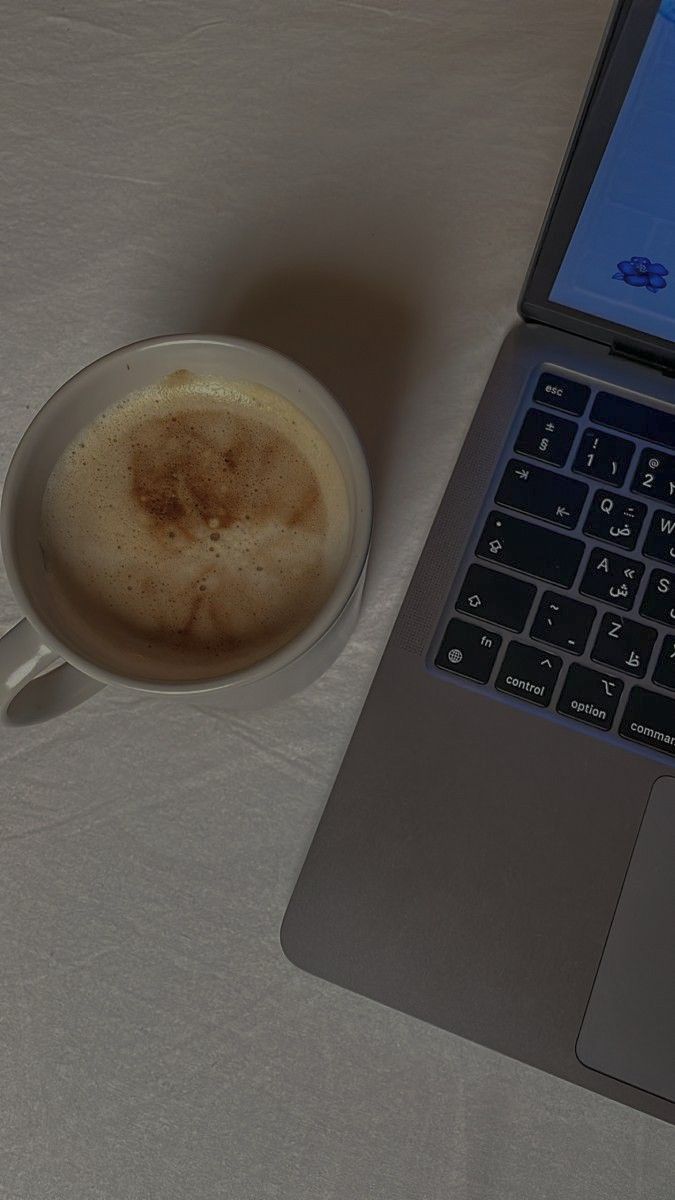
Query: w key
[(533, 490), (660, 541)]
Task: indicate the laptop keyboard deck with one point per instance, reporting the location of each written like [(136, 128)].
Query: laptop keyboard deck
[(566, 597)]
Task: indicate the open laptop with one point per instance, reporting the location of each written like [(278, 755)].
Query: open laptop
[(498, 853)]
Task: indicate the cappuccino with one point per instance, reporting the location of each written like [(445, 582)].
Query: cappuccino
[(193, 529)]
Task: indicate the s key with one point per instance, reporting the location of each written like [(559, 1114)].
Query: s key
[(658, 601)]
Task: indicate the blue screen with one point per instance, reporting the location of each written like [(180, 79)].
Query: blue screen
[(620, 262)]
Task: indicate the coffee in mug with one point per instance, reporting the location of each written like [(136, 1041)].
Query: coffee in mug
[(193, 529)]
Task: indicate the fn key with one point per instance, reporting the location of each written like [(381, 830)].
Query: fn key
[(469, 651)]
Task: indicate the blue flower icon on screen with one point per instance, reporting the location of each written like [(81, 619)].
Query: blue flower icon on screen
[(642, 272)]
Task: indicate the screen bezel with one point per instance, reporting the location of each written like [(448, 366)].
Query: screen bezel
[(620, 52)]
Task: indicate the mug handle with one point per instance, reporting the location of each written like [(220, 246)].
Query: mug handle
[(27, 696)]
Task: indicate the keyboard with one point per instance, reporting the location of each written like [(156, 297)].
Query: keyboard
[(565, 601)]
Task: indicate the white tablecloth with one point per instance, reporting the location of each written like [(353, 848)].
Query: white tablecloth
[(359, 185)]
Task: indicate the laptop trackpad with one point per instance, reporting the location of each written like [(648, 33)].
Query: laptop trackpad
[(628, 1031)]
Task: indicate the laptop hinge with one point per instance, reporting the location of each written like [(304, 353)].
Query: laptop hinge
[(647, 358)]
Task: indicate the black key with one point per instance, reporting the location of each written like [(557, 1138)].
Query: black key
[(612, 578), (664, 672), (530, 549), (650, 719), (565, 394), (624, 644), (658, 601), (545, 436), (616, 519), (528, 673), (563, 622), (468, 650), (498, 598), (541, 493), (641, 420), (660, 540), (603, 456), (590, 697), (655, 476)]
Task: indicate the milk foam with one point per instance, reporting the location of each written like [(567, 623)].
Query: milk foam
[(194, 528)]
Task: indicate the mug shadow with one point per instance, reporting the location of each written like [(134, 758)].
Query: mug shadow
[(353, 334)]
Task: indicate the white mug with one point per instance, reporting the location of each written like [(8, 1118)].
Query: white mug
[(41, 674)]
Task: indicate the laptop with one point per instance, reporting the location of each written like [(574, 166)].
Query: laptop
[(497, 856)]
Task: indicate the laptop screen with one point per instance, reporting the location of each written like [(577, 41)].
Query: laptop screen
[(619, 264)]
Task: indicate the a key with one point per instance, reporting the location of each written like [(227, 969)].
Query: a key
[(641, 420), (655, 476), (612, 578), (566, 394), (603, 456), (563, 622), (468, 650), (494, 597), (664, 671), (590, 697), (529, 548), (616, 519), (650, 719), (660, 540), (623, 644), (546, 436), (658, 601), (541, 493), (528, 673)]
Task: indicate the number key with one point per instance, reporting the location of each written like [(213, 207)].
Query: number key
[(603, 456), (617, 519), (546, 436), (624, 644), (612, 578), (658, 601), (655, 476)]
